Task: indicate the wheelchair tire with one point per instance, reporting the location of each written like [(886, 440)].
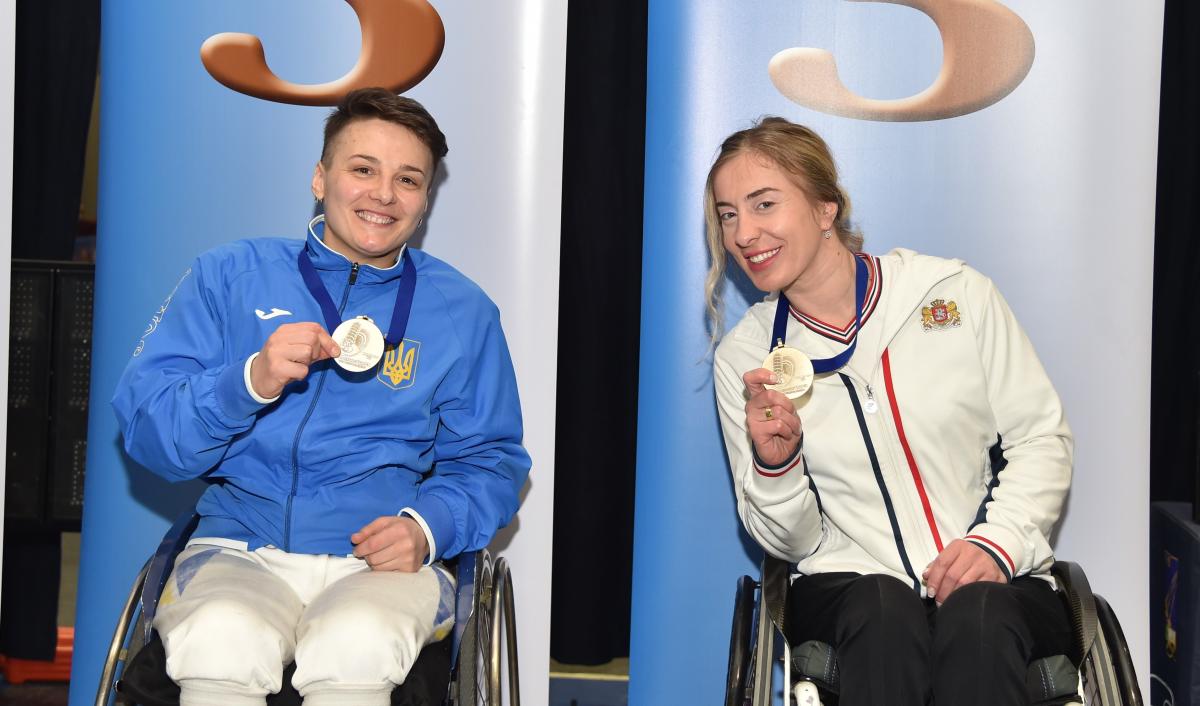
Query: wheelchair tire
[(1100, 686), (470, 686), (740, 642), (1126, 677)]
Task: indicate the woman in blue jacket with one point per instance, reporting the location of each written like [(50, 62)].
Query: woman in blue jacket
[(352, 404)]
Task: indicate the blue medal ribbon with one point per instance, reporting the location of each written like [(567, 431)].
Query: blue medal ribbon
[(404, 296), (825, 365)]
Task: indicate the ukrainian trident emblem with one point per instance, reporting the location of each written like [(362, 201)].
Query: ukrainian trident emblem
[(940, 314), (398, 368)]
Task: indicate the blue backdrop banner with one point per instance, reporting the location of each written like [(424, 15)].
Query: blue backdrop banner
[(1036, 165), (187, 164)]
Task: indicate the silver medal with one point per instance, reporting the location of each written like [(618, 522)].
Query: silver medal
[(361, 342), (793, 368)]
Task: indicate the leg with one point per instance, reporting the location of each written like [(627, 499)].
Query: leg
[(985, 636), (228, 626), (879, 627), (361, 635)]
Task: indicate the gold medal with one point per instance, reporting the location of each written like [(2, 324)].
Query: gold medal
[(361, 342), (793, 368)]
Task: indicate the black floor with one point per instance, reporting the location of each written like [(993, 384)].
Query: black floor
[(32, 694)]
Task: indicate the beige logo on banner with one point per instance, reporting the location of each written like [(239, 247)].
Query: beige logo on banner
[(402, 41), (986, 52)]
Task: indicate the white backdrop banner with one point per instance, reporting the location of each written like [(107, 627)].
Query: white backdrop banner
[(8, 40), (187, 164), (1020, 137)]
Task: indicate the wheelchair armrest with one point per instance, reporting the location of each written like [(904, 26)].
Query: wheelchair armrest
[(1077, 593), (775, 583), (161, 564)]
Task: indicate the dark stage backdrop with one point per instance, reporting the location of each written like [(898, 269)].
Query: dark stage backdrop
[(1175, 372), (57, 48), (599, 305), (58, 44)]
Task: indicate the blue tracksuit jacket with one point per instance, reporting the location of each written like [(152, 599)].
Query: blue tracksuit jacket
[(436, 427)]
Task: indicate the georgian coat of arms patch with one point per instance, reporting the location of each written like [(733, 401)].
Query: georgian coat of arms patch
[(940, 314)]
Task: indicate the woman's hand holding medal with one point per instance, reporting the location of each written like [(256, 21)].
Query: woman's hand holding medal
[(771, 418), (287, 354)]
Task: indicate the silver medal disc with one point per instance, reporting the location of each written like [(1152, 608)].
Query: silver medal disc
[(361, 342), (794, 369)]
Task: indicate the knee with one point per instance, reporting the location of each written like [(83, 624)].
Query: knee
[(359, 644), (225, 640), (979, 613), (877, 604)]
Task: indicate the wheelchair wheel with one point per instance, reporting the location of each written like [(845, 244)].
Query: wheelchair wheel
[(1121, 664), (741, 644), (1107, 671), (480, 665), (118, 650)]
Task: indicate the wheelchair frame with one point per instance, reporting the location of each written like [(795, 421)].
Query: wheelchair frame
[(484, 600), (1100, 652)]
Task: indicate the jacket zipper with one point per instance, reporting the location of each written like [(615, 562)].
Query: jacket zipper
[(287, 518)]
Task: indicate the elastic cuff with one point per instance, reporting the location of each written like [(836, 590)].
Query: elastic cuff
[(996, 552), (439, 521), (774, 471), (409, 512), (232, 400), (349, 697), (191, 694), (250, 388)]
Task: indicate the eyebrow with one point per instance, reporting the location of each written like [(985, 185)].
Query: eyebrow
[(750, 196), (375, 160)]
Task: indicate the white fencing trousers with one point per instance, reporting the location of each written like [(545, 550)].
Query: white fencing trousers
[(230, 621)]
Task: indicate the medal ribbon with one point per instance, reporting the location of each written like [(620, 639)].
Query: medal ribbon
[(404, 296), (825, 365)]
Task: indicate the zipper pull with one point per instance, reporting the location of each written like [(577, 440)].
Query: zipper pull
[(353, 272), (871, 406)]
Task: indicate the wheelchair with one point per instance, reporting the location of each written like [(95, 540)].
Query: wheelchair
[(1098, 672), (464, 669)]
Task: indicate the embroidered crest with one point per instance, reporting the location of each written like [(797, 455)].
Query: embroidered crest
[(940, 314), (398, 368)]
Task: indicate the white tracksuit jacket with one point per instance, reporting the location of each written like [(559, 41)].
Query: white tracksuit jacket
[(895, 462)]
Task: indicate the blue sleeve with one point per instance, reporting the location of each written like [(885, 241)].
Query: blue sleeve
[(479, 462), (180, 402)]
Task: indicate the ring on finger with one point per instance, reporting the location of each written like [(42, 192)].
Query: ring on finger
[(769, 413)]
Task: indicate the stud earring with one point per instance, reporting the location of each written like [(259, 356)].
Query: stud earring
[(827, 234)]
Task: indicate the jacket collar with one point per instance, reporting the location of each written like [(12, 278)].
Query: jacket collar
[(325, 258)]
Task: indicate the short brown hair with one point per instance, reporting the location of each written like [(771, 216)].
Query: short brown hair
[(366, 103)]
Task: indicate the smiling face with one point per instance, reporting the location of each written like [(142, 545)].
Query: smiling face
[(769, 225), (375, 185)]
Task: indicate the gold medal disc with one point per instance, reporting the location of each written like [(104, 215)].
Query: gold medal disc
[(361, 342), (794, 369)]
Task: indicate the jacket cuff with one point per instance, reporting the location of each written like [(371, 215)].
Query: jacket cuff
[(763, 468), (429, 539), (250, 387), (233, 397), (1001, 545), (433, 514)]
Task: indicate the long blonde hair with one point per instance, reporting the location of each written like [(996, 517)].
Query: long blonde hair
[(796, 150)]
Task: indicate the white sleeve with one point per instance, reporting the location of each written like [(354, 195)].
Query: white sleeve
[(777, 504), (1029, 493)]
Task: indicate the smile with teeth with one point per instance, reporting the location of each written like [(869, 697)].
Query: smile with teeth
[(375, 218), (763, 256)]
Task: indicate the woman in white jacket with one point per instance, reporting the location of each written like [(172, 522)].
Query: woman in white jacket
[(915, 483)]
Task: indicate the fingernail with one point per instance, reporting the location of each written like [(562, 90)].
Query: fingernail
[(774, 379)]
